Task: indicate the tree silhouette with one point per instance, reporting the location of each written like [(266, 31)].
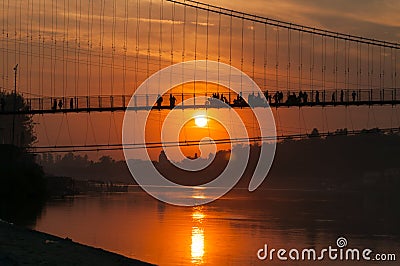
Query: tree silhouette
[(24, 135), (22, 183)]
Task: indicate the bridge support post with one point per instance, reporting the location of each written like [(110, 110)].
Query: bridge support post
[(393, 96), (370, 96), (312, 96), (336, 96)]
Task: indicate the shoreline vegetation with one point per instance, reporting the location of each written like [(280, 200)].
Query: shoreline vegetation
[(338, 162), (23, 190), (21, 246)]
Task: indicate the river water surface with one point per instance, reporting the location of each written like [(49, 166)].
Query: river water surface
[(229, 231)]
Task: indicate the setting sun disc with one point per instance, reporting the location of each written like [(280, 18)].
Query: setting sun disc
[(201, 121)]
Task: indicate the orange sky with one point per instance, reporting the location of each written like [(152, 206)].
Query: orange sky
[(49, 38), (100, 48)]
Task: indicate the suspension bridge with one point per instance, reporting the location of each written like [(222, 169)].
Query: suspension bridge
[(113, 103), (84, 57)]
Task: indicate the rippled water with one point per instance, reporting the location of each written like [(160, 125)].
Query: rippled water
[(229, 231)]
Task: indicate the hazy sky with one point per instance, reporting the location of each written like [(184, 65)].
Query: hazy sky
[(372, 18), (82, 30), (70, 47)]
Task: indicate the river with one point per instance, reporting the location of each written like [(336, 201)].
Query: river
[(229, 231)]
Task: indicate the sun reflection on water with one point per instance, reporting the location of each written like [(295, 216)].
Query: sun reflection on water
[(198, 216), (197, 246), (198, 194)]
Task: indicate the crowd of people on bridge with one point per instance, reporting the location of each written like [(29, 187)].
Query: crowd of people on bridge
[(217, 100), (220, 97), (59, 103), (172, 101), (303, 97), (276, 98)]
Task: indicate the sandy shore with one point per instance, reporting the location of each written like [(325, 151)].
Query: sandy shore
[(20, 246)]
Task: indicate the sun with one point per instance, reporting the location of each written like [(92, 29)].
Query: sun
[(201, 121)]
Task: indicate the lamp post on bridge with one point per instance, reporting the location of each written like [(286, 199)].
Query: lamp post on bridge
[(15, 103)]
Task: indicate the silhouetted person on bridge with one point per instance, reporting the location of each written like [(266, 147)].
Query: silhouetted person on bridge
[(303, 97), (256, 100), (341, 96), (317, 97), (2, 104), (251, 99), (280, 96), (268, 96), (276, 98), (300, 98), (259, 99), (71, 103), (172, 101), (238, 101), (353, 96), (159, 101), (54, 107), (333, 97), (60, 104), (292, 99), (224, 99)]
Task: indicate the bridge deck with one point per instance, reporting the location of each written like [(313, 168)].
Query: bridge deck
[(78, 104), (122, 109)]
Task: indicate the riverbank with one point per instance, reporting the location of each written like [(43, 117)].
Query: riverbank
[(20, 246)]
